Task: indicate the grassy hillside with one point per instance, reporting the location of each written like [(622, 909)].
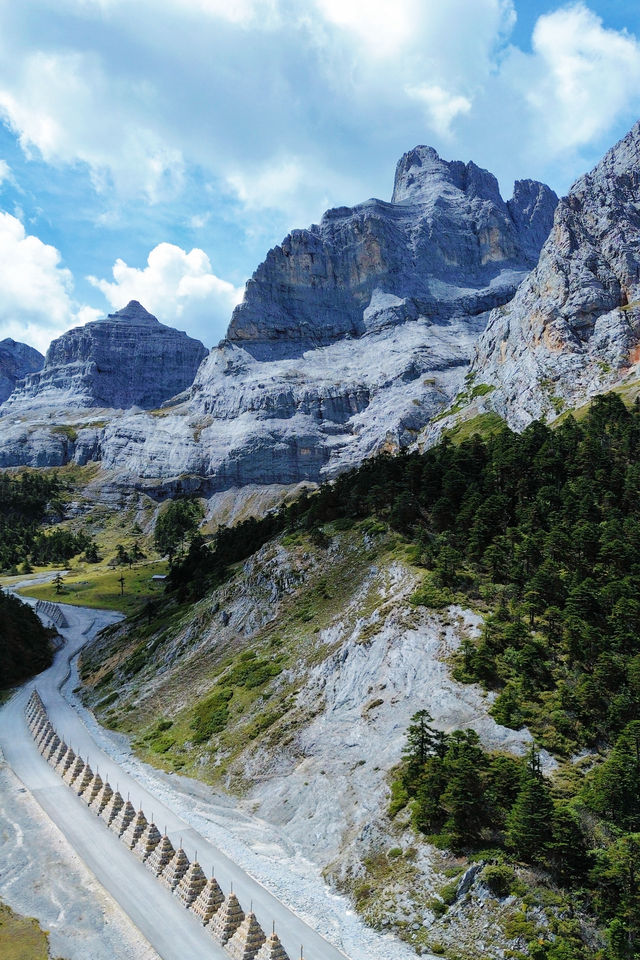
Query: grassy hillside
[(99, 586)]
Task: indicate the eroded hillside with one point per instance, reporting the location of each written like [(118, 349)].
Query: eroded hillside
[(291, 686)]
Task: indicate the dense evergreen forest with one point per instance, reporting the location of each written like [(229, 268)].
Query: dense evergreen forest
[(25, 643), (541, 532), (26, 501)]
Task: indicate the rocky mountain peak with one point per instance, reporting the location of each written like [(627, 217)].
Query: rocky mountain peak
[(447, 245), (422, 175), (622, 160), (124, 360), (351, 336), (135, 312)]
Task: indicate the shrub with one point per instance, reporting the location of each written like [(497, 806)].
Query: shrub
[(498, 878), (211, 715), (430, 595)]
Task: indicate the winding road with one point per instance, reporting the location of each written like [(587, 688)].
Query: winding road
[(173, 931)]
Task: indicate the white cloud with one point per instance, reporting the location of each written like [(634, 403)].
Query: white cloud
[(264, 82), (269, 186), (199, 220), (384, 27), (442, 107), (234, 11), (580, 77), (179, 288), (68, 108), (36, 293), (288, 107), (5, 172)]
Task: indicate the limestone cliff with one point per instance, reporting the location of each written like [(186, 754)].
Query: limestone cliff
[(573, 328), (128, 359), (351, 336), (447, 246), (17, 360)]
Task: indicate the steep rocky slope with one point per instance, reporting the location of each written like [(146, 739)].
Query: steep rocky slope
[(311, 662), (17, 360), (351, 336), (129, 359), (573, 328)]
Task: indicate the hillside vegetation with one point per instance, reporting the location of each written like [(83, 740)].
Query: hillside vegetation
[(26, 644), (539, 533)]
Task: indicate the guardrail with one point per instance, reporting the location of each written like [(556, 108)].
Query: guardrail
[(240, 934), (52, 610)]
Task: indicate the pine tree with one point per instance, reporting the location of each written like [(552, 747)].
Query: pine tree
[(614, 789), (423, 741), (529, 820), (463, 797), (567, 848)]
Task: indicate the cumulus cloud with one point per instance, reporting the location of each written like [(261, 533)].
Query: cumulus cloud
[(263, 80), (579, 77), (179, 288), (67, 107), (36, 292), (385, 28)]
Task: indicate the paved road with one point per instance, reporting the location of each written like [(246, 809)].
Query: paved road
[(172, 930)]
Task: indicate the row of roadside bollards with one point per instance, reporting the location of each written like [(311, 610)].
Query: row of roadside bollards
[(223, 917)]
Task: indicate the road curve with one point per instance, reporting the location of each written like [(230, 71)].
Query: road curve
[(173, 931)]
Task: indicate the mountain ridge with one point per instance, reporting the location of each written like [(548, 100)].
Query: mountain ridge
[(351, 336)]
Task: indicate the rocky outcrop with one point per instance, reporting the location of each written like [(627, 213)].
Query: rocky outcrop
[(573, 328), (127, 360), (17, 360)]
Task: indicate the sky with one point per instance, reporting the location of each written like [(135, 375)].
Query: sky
[(156, 149)]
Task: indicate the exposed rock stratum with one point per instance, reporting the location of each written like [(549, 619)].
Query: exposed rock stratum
[(17, 360), (129, 359)]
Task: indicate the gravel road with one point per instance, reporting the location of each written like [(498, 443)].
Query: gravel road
[(171, 930)]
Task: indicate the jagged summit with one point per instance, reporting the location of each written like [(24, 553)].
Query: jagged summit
[(620, 160), (447, 245), (422, 175)]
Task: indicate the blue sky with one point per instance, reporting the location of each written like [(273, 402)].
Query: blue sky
[(156, 149)]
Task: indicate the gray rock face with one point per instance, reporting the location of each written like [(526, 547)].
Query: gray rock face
[(573, 327), (351, 336), (447, 245), (128, 359), (17, 360)]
